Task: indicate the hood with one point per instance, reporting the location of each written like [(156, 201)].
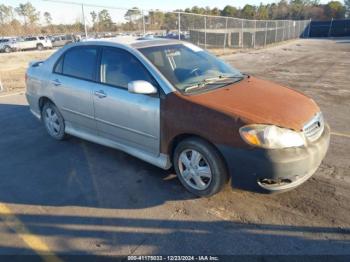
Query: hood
[(257, 101)]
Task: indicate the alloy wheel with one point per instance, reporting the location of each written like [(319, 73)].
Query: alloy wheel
[(52, 122)]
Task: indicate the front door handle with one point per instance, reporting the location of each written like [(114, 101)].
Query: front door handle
[(56, 82), (100, 94)]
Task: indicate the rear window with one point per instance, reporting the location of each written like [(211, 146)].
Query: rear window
[(30, 39), (80, 62)]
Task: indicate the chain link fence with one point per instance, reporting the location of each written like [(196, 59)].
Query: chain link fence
[(217, 33)]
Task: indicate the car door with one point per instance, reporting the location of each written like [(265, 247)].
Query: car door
[(57, 41), (129, 119), (60, 41), (54, 41), (69, 39), (26, 43), (20, 43), (31, 43), (72, 83), (63, 40)]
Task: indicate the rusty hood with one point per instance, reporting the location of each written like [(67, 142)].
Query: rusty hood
[(260, 102)]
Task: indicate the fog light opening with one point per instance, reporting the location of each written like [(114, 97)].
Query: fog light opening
[(274, 182)]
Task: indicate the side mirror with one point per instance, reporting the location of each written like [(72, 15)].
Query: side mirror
[(141, 87)]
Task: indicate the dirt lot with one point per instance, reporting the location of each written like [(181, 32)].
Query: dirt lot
[(78, 197), (13, 67)]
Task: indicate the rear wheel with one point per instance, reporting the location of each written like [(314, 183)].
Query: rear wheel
[(39, 47), (7, 49), (53, 121), (199, 167)]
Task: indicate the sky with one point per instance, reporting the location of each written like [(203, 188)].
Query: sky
[(67, 13), (152, 4)]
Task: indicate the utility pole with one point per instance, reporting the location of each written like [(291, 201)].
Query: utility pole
[(265, 33), (242, 34), (205, 32), (179, 22), (330, 28), (1, 86), (276, 30), (225, 37), (254, 33), (82, 10), (143, 22), (308, 33)]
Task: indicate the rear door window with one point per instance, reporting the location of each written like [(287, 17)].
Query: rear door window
[(119, 67), (59, 66), (80, 62)]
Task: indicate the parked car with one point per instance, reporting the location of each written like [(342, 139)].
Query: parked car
[(8, 45), (170, 103), (34, 42), (175, 35), (61, 40)]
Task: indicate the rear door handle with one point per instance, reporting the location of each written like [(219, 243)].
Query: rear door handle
[(100, 94), (56, 82)]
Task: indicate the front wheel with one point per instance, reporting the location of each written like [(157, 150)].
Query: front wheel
[(53, 121), (199, 167)]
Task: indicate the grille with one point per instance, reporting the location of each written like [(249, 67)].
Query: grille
[(314, 128)]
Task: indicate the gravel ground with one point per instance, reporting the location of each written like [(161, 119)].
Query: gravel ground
[(82, 198)]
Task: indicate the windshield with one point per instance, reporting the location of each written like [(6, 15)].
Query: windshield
[(189, 67)]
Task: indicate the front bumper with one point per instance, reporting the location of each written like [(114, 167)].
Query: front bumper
[(276, 169)]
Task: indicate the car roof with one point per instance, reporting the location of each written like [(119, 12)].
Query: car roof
[(134, 42), (154, 42)]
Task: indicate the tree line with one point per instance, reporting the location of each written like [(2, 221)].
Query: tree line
[(292, 10), (25, 19)]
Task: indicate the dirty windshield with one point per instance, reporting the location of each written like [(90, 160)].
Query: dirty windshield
[(189, 67)]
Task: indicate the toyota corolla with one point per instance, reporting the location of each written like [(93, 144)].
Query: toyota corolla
[(170, 103)]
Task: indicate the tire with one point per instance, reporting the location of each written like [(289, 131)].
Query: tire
[(7, 49), (39, 47), (53, 121), (205, 172)]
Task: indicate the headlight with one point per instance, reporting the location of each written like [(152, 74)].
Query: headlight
[(270, 136)]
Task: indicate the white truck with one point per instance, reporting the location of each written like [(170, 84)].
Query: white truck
[(34, 42)]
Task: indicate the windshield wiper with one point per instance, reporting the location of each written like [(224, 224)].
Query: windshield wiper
[(212, 81)]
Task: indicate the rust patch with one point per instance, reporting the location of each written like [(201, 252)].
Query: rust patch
[(217, 115), (181, 116)]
